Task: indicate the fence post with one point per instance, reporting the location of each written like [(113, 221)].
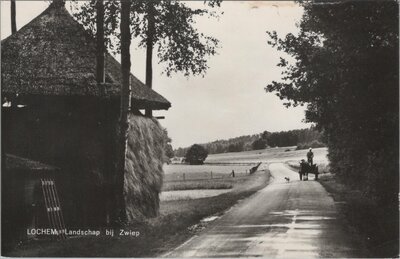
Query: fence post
[(211, 175), (184, 178)]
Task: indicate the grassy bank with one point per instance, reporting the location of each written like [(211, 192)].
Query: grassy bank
[(227, 182), (378, 227), (157, 236), (198, 185)]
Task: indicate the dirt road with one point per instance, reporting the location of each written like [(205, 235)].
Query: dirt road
[(284, 220)]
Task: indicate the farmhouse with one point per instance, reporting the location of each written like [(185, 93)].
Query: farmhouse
[(54, 111)]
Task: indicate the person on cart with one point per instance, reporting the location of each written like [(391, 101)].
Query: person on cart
[(310, 156)]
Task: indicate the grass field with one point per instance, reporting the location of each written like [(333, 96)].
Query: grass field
[(216, 172), (180, 172), (269, 155), (190, 194), (202, 177), (223, 183)]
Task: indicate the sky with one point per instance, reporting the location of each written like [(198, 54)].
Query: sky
[(230, 100)]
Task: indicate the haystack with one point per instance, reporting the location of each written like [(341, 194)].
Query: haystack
[(143, 167)]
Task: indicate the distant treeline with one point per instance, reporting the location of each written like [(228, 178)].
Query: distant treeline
[(302, 138), (299, 138)]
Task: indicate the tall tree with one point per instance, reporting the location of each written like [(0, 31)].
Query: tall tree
[(86, 13), (125, 105), (149, 48), (346, 72), (100, 47), (167, 25), (157, 22), (13, 18), (169, 152), (170, 26)]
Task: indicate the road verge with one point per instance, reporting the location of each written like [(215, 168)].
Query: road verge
[(376, 228)]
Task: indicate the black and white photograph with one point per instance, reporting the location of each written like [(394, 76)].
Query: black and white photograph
[(200, 129)]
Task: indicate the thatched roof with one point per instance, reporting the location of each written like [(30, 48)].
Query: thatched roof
[(55, 55), (16, 163)]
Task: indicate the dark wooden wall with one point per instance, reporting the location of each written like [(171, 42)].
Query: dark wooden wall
[(72, 133)]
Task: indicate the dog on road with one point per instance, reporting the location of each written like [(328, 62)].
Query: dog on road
[(287, 179)]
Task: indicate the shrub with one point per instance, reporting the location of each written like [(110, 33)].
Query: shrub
[(259, 144), (196, 155)]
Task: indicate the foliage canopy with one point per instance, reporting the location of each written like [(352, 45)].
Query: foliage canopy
[(196, 155), (346, 72), (180, 46)]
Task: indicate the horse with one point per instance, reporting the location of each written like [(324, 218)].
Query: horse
[(306, 168)]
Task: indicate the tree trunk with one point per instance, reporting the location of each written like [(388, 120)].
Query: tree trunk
[(13, 21), (100, 78), (100, 49), (149, 49), (124, 109)]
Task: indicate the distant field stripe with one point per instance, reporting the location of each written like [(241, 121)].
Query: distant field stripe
[(229, 163), (205, 179)]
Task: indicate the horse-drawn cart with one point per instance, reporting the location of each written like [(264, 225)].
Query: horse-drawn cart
[(305, 169)]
